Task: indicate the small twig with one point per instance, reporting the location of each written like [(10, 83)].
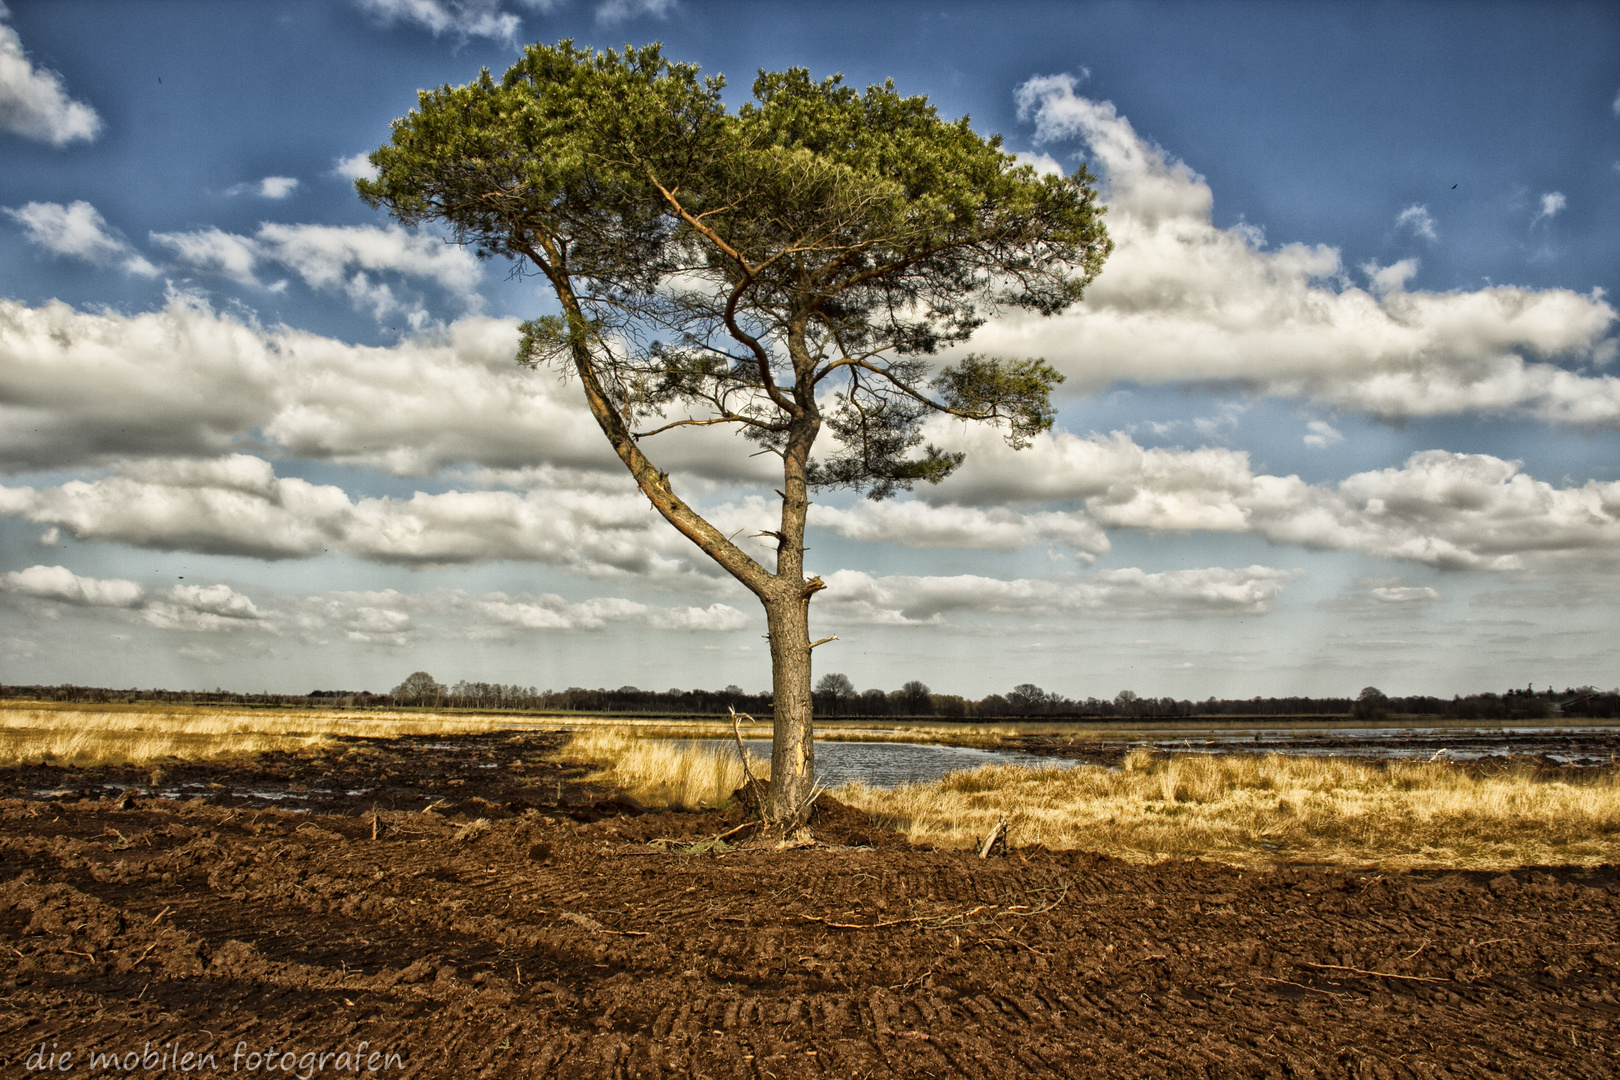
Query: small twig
[(738, 829), (823, 641), (912, 982), (1379, 974), (742, 751), (802, 813), (1040, 910), (144, 955), (1009, 941), (1302, 986), (374, 821), (937, 920), (587, 923), (162, 913)]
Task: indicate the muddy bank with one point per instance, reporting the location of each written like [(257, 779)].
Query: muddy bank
[(494, 916)]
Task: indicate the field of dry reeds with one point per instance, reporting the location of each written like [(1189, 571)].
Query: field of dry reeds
[(1236, 808), (1243, 808), (75, 734)]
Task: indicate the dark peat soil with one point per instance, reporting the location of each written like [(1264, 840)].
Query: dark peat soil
[(495, 916)]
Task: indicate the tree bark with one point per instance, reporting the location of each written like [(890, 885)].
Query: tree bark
[(793, 752)]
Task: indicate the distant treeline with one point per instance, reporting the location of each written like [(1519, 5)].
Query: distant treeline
[(836, 697)]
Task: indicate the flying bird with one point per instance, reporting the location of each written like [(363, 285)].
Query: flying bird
[(1453, 187)]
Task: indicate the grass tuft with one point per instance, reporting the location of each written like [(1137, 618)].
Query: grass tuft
[(662, 775)]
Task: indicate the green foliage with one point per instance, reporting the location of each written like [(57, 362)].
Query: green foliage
[(746, 268), (1018, 391)]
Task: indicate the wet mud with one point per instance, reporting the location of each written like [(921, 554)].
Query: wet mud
[(475, 911)]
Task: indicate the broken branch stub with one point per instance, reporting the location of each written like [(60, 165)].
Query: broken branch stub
[(996, 841)]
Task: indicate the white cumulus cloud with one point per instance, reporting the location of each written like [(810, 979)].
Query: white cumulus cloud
[(612, 12), (215, 251), (78, 231), (336, 258), (459, 18), (237, 506), (184, 607), (1439, 508), (392, 618), (1321, 434), (355, 167), (81, 387), (33, 102), (1417, 219), (853, 596), (1553, 203), (916, 524), (1181, 300), (1403, 594), (60, 583), (271, 187)]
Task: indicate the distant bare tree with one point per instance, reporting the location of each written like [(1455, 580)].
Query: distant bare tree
[(419, 688), (1027, 697), (915, 696), (834, 689)]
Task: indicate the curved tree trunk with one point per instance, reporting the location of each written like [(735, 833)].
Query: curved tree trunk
[(785, 594)]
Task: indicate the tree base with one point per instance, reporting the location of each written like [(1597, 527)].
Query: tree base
[(776, 830)]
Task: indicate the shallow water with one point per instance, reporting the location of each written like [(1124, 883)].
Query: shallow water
[(887, 764), (1581, 746)]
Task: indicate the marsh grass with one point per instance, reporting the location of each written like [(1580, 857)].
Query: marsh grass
[(980, 735), (660, 773), (72, 734), (1254, 809)]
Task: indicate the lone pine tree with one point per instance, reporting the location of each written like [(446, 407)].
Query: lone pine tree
[(779, 269)]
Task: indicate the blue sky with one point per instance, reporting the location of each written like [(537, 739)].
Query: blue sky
[(1341, 409)]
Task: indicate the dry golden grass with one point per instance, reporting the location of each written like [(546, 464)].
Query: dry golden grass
[(72, 734), (1252, 809), (665, 727), (662, 774)]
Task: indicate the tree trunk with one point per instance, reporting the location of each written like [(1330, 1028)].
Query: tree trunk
[(793, 752)]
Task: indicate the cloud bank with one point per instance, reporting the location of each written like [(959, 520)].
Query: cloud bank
[(1441, 509), (1181, 300), (853, 596), (382, 617)]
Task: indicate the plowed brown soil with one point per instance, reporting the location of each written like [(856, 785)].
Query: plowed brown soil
[(525, 925)]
